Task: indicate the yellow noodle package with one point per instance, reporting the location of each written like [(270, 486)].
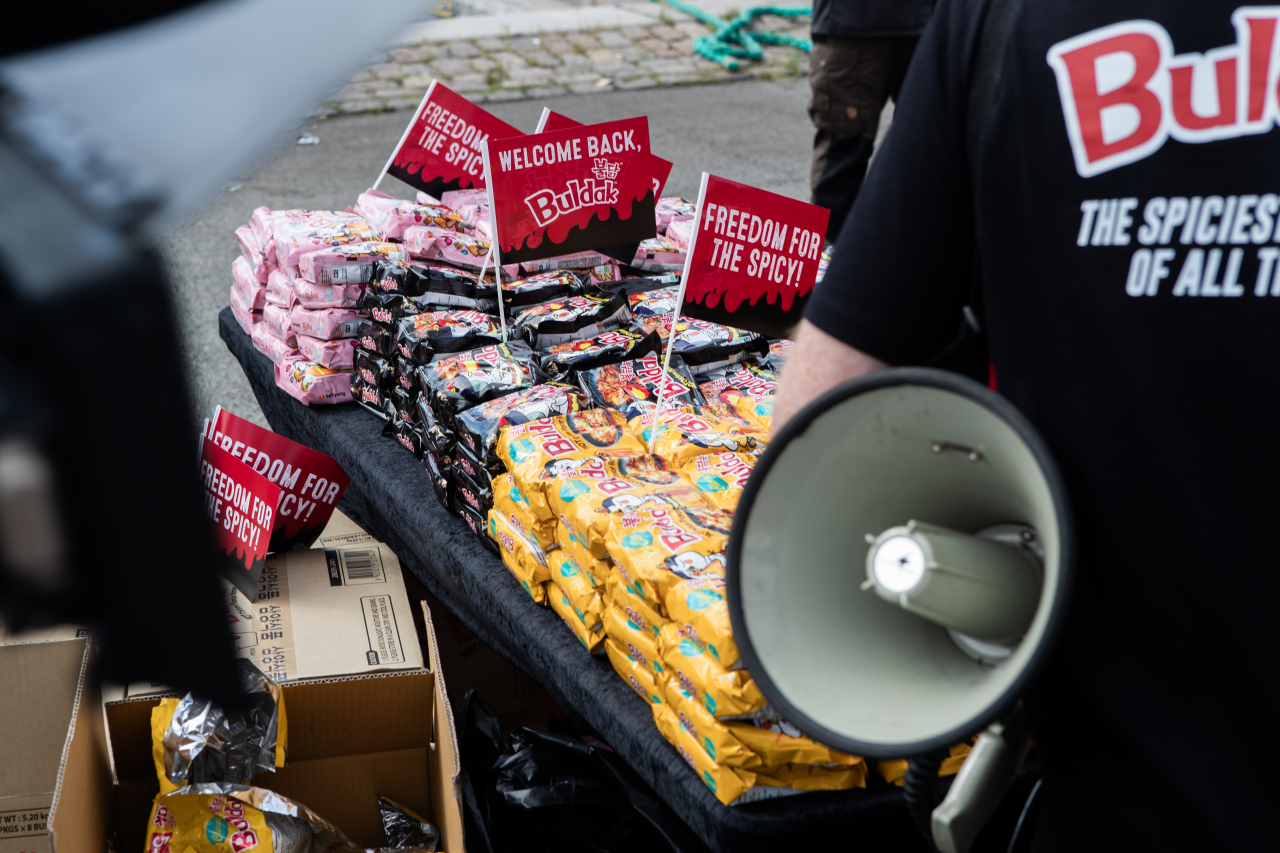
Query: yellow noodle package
[(647, 615), (757, 411), (640, 677), (727, 783), (656, 548), (813, 777), (699, 604), (575, 543), (895, 769), (679, 435), (577, 586), (521, 555), (591, 638), (720, 477), (715, 737), (207, 823), (724, 693), (540, 450), (600, 490), (777, 742), (512, 504), (640, 645)]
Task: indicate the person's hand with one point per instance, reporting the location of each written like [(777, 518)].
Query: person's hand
[(817, 363)]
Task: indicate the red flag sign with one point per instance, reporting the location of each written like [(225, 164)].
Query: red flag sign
[(571, 190), (312, 483), (753, 257), (242, 506), (443, 147), (552, 121)]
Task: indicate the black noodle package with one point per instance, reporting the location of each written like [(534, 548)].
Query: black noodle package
[(474, 520), (405, 433), (405, 404), (422, 337), (371, 397), (632, 387), (479, 471), (454, 288), (436, 473), (376, 338), (375, 370), (407, 374), (543, 287), (387, 309), (476, 497), (748, 377), (478, 426), (441, 439), (456, 382), (560, 361), (702, 345), (407, 830), (644, 284), (564, 320)]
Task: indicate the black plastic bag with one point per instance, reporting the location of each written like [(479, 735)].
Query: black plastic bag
[(536, 792)]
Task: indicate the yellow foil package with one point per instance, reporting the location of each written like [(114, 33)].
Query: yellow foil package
[(640, 645), (647, 615), (576, 544), (724, 693), (577, 586), (161, 717), (640, 677), (720, 477), (716, 738), (521, 555), (656, 548), (541, 450), (778, 743), (700, 604), (600, 491), (680, 436), (591, 638), (727, 783), (812, 777), (511, 502), (207, 823), (895, 769), (757, 411)]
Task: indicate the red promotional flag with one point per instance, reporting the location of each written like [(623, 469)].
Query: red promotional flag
[(242, 505), (312, 483), (571, 190), (552, 121), (442, 149), (753, 257)]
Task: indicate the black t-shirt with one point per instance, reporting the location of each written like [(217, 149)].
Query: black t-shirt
[(1144, 350), (854, 18)]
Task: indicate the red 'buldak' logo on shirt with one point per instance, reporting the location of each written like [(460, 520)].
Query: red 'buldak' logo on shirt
[(1124, 91)]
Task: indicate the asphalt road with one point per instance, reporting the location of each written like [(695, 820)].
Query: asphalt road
[(754, 132)]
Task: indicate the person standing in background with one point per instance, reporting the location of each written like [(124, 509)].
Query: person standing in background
[(861, 49)]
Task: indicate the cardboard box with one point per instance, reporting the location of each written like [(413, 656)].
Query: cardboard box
[(55, 788), (350, 737)]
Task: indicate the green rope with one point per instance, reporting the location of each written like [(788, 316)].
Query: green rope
[(732, 40)]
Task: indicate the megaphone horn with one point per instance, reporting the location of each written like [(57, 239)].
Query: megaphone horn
[(899, 563)]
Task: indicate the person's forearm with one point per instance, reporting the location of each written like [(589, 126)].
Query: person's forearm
[(818, 363)]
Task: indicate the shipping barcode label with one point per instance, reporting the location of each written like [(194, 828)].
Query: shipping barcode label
[(352, 566)]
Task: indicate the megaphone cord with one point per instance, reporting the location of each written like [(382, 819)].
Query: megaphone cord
[(920, 789)]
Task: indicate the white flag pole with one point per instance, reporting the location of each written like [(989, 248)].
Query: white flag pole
[(675, 312), (542, 122), (493, 240), (405, 135)]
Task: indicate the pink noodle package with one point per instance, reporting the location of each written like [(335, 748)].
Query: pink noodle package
[(253, 251), (326, 323), (252, 292), (680, 231), (297, 232), (658, 254), (272, 347), (420, 240), (338, 354), (312, 383), (312, 295), (245, 316), (279, 323), (351, 264), (457, 249), (280, 290), (671, 208), (390, 216), (260, 224)]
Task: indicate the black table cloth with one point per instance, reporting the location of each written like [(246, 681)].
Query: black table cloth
[(391, 497)]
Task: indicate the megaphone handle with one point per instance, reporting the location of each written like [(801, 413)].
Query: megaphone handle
[(920, 789)]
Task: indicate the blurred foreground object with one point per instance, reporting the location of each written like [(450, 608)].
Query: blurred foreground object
[(97, 476)]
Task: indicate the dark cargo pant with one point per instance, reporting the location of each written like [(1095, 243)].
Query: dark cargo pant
[(851, 79)]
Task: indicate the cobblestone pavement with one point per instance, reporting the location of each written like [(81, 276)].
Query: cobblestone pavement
[(488, 70)]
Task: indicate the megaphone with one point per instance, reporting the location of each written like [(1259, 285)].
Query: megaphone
[(899, 563)]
